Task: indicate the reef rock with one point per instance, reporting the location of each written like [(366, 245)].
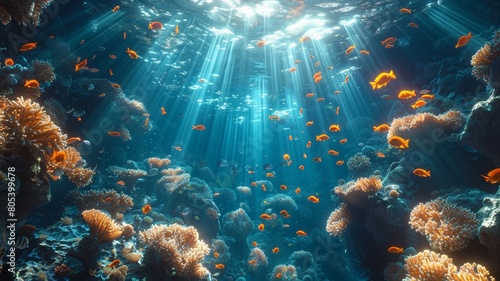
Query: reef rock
[(489, 231), (482, 129)]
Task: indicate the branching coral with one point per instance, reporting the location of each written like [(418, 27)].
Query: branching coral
[(72, 166), (284, 272), (173, 180), (446, 226), (159, 163), (482, 60), (175, 250), (25, 11), (128, 176), (101, 225), (429, 265), (107, 200), (338, 220), (448, 122), (356, 193)]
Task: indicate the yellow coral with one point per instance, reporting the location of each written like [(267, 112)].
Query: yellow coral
[(403, 126), (101, 225), (482, 60), (427, 265), (446, 226), (356, 193)]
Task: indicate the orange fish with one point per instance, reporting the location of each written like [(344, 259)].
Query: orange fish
[(283, 187), (263, 187), (427, 96), (219, 266), (176, 29), (285, 214), (406, 94), (146, 122), (309, 123), (334, 128), (290, 138), (322, 137), (178, 148), (493, 176), (399, 142), (146, 209), (308, 145), (350, 49), (309, 95), (388, 46), (381, 128), (297, 190), (273, 117), (286, 157), (405, 11), (301, 233), (389, 40), (155, 25), (301, 167), (316, 75), (418, 104), (107, 200), (346, 79), (395, 250), (261, 43), (342, 141), (114, 133), (110, 72), (270, 175), (114, 263), (276, 250), (462, 41), (266, 217), (382, 80), (163, 111), (318, 79), (380, 154), (73, 140), (113, 57), (198, 127), (412, 24), (252, 262), (304, 39), (293, 69), (115, 85), (339, 163), (253, 183), (216, 255), (300, 111), (28, 46), (131, 53), (122, 183), (279, 275), (254, 243), (364, 52), (32, 84), (116, 8), (9, 62), (313, 199), (337, 110), (316, 159), (422, 173), (333, 152), (320, 99), (261, 227)]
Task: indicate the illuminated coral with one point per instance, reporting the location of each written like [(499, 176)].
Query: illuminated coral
[(130, 255), (338, 220), (356, 193), (358, 164), (484, 57), (284, 272), (71, 166), (159, 163), (257, 260), (469, 271), (279, 202), (118, 274), (172, 183), (404, 126), (101, 225), (107, 200), (174, 250), (128, 176), (24, 11), (124, 133), (237, 224), (427, 265), (446, 226)]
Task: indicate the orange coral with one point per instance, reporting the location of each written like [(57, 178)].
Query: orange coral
[(107, 200), (72, 166), (356, 193), (178, 249), (257, 259), (155, 162), (101, 225), (446, 226), (482, 60), (129, 176), (25, 11), (338, 220), (403, 126)]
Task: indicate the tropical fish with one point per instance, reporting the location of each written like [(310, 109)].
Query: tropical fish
[(320, 99), (116, 8), (163, 111), (309, 123), (114, 263), (399, 142), (389, 40), (342, 141), (395, 250), (273, 117), (122, 183), (322, 137), (28, 47), (283, 187), (381, 128), (297, 190), (334, 128), (308, 144), (309, 95), (316, 159), (276, 250), (146, 209), (405, 11), (382, 79), (350, 49), (301, 233), (427, 96), (406, 94), (176, 29), (216, 255), (131, 53), (219, 266), (293, 69), (462, 41), (9, 62), (364, 52), (380, 155), (301, 167), (198, 127), (155, 25), (412, 24), (114, 133), (261, 227), (313, 199), (422, 173), (493, 176), (261, 43), (418, 104), (32, 84), (266, 217), (333, 152), (339, 163), (285, 214)]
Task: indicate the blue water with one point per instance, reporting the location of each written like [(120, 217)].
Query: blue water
[(225, 91)]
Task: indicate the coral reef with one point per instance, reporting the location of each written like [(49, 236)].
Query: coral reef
[(159, 163), (118, 274), (174, 250), (338, 220), (356, 193), (107, 200), (358, 165), (257, 260), (482, 60), (237, 224), (279, 202), (101, 225), (24, 11), (128, 176), (489, 229), (446, 226)]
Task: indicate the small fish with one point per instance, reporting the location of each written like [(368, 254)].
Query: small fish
[(28, 47), (381, 128), (155, 25), (113, 57), (334, 128), (309, 123), (261, 43), (297, 190), (382, 80), (395, 250), (364, 52), (73, 140), (389, 40), (462, 41), (422, 173), (176, 29), (266, 216), (342, 141), (337, 110), (412, 24), (350, 49), (300, 111), (285, 214), (115, 85), (114, 263), (316, 159), (261, 227), (124, 35), (198, 127), (254, 243), (276, 250), (313, 199), (163, 111), (301, 167), (380, 155), (273, 117), (116, 8), (219, 266), (32, 84), (279, 275), (132, 54), (405, 11), (322, 137), (122, 183), (270, 175), (107, 200), (114, 133), (216, 255), (290, 138), (110, 72), (399, 142), (293, 69), (301, 233), (406, 94), (308, 145), (178, 148), (317, 64), (146, 209), (320, 99), (346, 79), (418, 104), (333, 152), (427, 96), (493, 176), (9, 62), (339, 163), (286, 157)]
